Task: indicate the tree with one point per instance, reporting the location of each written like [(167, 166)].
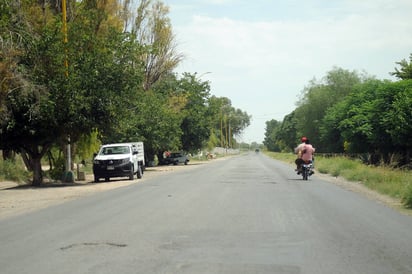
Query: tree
[(281, 136), (330, 133), (153, 30), (360, 124), (226, 121), (271, 135), (109, 88), (405, 70), (318, 97), (158, 124), (395, 120), (45, 103), (195, 123), (25, 127), (398, 118)]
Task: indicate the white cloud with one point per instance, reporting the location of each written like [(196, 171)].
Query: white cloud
[(263, 65)]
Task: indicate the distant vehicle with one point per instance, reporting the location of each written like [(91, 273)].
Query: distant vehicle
[(257, 150), (175, 158), (119, 160)]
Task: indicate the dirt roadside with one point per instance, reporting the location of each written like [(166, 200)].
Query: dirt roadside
[(15, 200)]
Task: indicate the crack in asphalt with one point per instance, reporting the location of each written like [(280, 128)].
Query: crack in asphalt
[(92, 244)]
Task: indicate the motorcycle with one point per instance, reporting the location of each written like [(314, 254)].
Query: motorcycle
[(307, 170)]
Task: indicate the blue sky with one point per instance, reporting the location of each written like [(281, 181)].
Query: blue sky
[(261, 54)]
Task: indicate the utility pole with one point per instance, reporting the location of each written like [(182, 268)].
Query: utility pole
[(68, 176), (65, 40)]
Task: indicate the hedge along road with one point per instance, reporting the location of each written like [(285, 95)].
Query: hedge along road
[(247, 214)]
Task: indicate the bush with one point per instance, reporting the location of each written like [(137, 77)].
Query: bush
[(13, 171), (407, 196), (58, 170)]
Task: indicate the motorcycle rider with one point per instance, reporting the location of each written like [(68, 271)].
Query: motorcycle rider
[(305, 153)]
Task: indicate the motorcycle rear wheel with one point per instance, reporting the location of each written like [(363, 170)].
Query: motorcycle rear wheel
[(305, 174)]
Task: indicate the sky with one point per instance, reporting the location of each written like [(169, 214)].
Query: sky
[(261, 54)]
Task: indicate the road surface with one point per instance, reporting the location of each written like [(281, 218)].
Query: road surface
[(247, 214)]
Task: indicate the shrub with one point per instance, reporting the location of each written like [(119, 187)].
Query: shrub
[(407, 196), (59, 167), (13, 171)]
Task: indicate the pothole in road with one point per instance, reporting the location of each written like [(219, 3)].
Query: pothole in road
[(243, 181), (269, 182), (92, 245), (233, 182)]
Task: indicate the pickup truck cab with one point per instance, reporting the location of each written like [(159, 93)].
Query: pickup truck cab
[(119, 160), (175, 158)]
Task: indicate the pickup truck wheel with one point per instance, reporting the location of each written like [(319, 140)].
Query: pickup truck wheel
[(186, 162), (96, 179), (139, 172), (131, 174), (107, 179)]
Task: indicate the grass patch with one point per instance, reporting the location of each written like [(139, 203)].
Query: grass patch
[(285, 157), (385, 180), (13, 171)]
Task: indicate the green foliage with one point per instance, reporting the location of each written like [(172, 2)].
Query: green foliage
[(407, 196), (271, 134), (352, 113), (49, 103), (318, 97), (281, 136), (87, 145), (405, 71), (152, 28), (213, 140), (196, 123), (360, 122), (58, 169), (226, 120), (396, 120), (381, 179), (118, 85), (13, 171), (313, 117), (286, 157), (338, 166)]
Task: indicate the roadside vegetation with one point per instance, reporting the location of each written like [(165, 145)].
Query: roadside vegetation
[(354, 114), (101, 72), (348, 112), (13, 171), (386, 180)]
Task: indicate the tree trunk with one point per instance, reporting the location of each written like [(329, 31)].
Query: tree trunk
[(26, 160), (32, 158), (8, 154), (37, 171)]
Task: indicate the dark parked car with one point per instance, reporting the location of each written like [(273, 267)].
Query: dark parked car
[(175, 158)]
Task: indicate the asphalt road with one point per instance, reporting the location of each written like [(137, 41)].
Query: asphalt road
[(247, 214)]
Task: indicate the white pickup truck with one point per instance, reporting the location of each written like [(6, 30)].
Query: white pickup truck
[(119, 160)]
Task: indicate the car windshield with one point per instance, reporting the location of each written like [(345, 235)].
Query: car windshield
[(115, 150), (174, 155)]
